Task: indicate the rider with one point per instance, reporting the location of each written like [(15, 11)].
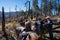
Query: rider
[(37, 25), (21, 28), (50, 25), (28, 27)]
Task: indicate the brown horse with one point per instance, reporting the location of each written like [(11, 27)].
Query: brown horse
[(33, 36)]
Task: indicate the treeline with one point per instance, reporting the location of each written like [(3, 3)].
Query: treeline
[(47, 7)]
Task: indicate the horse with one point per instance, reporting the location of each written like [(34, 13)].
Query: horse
[(33, 36), (29, 36)]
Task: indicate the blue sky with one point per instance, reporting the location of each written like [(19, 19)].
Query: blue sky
[(11, 4)]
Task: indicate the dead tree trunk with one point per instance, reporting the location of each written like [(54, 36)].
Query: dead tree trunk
[(3, 24)]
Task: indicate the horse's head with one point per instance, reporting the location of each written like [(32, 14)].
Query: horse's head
[(34, 36)]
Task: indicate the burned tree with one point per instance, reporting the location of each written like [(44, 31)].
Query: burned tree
[(3, 24), (35, 6), (47, 7)]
